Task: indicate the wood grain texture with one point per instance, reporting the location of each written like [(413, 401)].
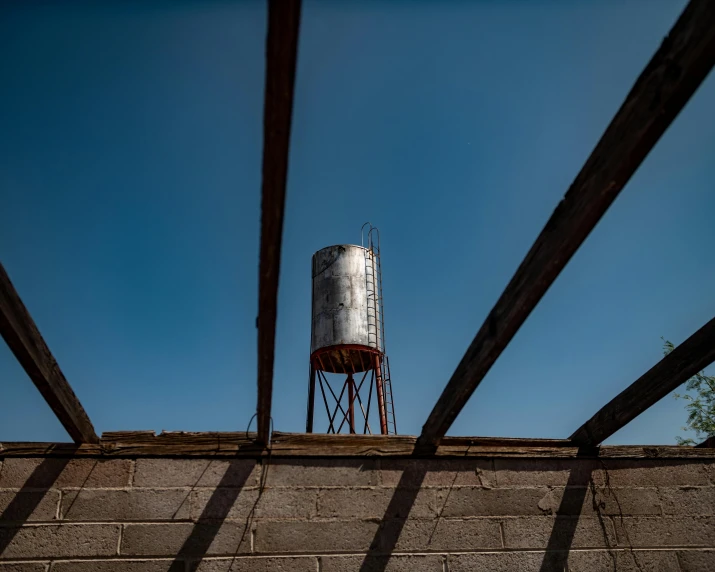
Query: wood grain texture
[(281, 56), (24, 339), (687, 359), (663, 88), (133, 444)]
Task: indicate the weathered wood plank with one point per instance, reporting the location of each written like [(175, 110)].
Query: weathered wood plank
[(24, 339), (287, 445), (687, 359), (281, 56), (709, 442), (663, 88)]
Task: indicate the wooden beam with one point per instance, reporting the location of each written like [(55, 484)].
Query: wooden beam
[(687, 359), (663, 88), (690, 357), (135, 444), (708, 443), (22, 336), (281, 56)]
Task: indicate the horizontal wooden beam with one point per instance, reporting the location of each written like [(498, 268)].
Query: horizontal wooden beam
[(667, 83), (281, 57), (687, 359), (134, 444), (24, 339)]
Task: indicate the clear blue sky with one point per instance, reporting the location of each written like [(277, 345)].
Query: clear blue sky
[(130, 149)]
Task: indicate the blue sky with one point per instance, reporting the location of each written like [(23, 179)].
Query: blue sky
[(130, 155)]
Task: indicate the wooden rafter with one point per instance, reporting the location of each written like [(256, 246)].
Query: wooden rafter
[(674, 73), (24, 339), (281, 56), (690, 357)]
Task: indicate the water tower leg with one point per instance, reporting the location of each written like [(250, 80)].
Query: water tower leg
[(351, 402), (380, 395), (311, 400)]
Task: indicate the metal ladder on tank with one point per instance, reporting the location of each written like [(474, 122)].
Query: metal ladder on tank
[(373, 273), (373, 334)]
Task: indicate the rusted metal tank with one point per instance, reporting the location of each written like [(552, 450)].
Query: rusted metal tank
[(345, 319)]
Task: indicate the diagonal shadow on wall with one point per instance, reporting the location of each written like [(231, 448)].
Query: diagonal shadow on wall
[(29, 497), (213, 515), (567, 516), (396, 514)]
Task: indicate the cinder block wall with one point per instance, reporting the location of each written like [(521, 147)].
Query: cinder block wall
[(337, 515)]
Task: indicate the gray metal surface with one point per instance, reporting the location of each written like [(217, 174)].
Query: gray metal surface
[(344, 298)]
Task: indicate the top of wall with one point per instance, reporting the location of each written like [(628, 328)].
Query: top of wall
[(242, 444)]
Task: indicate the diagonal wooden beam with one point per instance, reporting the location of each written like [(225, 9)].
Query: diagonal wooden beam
[(281, 56), (24, 339), (663, 88), (687, 359)]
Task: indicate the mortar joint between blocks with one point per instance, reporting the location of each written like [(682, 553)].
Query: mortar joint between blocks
[(119, 540)]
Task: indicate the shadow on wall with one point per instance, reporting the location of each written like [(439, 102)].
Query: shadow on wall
[(212, 517), (29, 497), (295, 480), (224, 496), (396, 515)]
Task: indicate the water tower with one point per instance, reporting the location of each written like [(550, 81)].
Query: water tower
[(347, 346)]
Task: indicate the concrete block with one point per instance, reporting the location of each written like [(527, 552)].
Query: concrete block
[(652, 473), (167, 473), (125, 505), (611, 472), (274, 537), (477, 501), (592, 501), (664, 531), (696, 560), (688, 500), (710, 469), (59, 541), (20, 506), (622, 560), (440, 535), (504, 561), (273, 503), (321, 473), (222, 504), (185, 540), (24, 566), (347, 503), (395, 563), (116, 566), (551, 472), (558, 533), (63, 473), (257, 564), (622, 501), (411, 473)]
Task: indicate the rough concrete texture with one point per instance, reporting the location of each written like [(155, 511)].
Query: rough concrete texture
[(257, 564), (402, 563), (65, 473), (339, 515), (113, 566), (24, 566)]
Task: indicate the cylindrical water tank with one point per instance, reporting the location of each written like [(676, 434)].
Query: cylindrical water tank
[(346, 322)]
